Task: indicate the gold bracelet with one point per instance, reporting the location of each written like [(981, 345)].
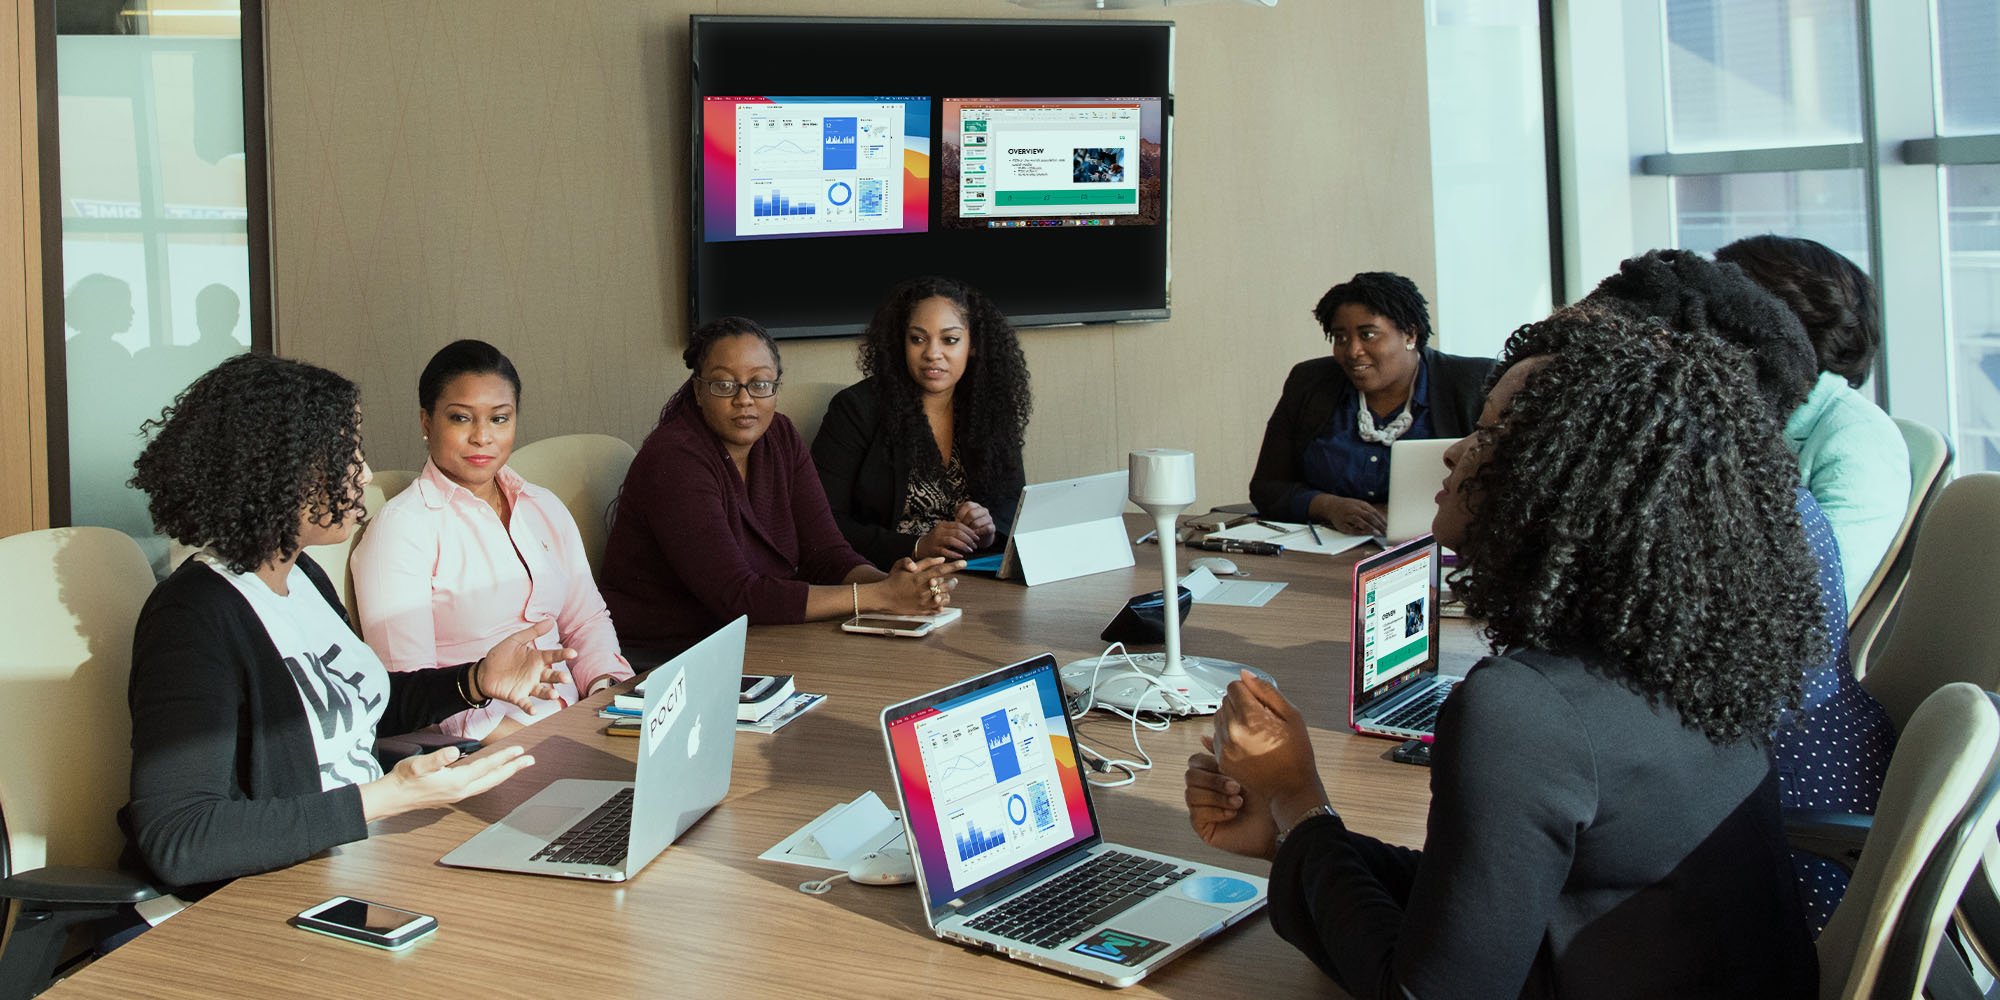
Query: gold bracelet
[(857, 600)]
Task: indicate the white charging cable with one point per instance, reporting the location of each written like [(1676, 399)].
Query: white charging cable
[(1101, 763), (820, 886)]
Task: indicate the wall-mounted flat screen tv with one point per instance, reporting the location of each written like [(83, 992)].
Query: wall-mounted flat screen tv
[(834, 157)]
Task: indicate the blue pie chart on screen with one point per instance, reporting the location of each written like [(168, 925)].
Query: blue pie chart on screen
[(1017, 809), (1217, 889), (840, 193)]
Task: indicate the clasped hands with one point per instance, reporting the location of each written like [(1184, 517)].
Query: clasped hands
[(969, 530), (1256, 775)]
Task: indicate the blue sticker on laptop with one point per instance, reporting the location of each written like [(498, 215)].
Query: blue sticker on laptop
[(1120, 947), (1217, 889)]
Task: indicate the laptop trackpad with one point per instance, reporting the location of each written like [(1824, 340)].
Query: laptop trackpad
[(542, 822), (1168, 919)]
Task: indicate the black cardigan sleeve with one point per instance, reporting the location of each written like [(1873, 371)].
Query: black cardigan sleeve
[(1502, 835), (196, 721), (858, 476), (1003, 499)]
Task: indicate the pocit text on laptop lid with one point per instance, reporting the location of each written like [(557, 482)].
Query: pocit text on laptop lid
[(609, 830), (1394, 684), (1006, 842)]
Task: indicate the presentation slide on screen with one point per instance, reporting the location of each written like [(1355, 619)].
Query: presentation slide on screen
[(1037, 162), (779, 167), (990, 780), (1394, 601)]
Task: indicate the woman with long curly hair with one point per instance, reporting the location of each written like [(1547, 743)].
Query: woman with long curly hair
[(254, 704), (721, 514), (922, 457), (1604, 817)]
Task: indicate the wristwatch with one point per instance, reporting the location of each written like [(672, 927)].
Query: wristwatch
[(1323, 809)]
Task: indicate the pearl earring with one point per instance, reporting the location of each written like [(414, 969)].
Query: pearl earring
[(1409, 347)]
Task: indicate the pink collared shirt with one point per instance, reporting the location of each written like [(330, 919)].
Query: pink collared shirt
[(440, 581)]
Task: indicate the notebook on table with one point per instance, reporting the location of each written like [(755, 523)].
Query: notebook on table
[(1008, 851), (1395, 686), (609, 830)]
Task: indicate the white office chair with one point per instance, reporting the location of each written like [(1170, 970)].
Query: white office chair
[(1875, 606), (585, 472), (1938, 808), (72, 599)]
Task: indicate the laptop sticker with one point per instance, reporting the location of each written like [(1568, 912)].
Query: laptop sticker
[(1120, 947), (1217, 889), (668, 710)]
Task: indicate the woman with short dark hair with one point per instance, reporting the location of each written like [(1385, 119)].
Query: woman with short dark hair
[(254, 705), (1851, 455), (471, 551), (922, 457), (1325, 455), (1603, 819), (722, 514)]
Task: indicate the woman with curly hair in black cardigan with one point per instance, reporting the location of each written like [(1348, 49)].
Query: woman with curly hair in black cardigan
[(922, 457), (254, 704), (1604, 817)]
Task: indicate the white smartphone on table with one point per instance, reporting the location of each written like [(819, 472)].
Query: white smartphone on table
[(363, 922), (907, 626)]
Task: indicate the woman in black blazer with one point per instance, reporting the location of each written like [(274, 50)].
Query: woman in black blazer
[(1325, 455), (254, 704), (922, 457)]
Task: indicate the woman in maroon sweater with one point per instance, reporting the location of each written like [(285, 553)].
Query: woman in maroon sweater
[(722, 513)]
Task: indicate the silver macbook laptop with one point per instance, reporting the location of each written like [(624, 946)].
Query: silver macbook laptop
[(610, 830), (1396, 689), (1005, 838), (1416, 473)]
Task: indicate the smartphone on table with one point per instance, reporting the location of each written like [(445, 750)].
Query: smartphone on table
[(363, 922), (909, 626)]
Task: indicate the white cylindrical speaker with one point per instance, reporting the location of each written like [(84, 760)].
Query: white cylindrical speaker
[(1162, 476)]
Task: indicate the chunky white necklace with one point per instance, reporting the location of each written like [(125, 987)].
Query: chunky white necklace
[(1364, 423)]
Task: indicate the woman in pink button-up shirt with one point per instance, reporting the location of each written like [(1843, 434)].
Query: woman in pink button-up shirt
[(471, 551)]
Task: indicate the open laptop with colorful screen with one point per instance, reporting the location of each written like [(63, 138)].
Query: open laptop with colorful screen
[(1006, 842), (1396, 688)]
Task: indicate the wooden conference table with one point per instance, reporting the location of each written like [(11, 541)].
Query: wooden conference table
[(707, 917)]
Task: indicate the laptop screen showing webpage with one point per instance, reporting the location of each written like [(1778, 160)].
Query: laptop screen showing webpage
[(1395, 618), (989, 779)]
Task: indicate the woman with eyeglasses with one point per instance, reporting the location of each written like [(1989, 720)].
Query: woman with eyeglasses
[(722, 514), (471, 551), (1325, 456), (922, 457)]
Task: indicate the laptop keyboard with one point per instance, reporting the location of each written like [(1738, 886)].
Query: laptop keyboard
[(1421, 712), (600, 838), (1079, 899)]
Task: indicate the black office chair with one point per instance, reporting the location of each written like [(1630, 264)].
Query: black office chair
[(43, 905)]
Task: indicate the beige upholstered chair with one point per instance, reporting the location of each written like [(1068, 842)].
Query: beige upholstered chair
[(72, 598), (1947, 625), (333, 558), (804, 404), (1938, 808), (1930, 470), (585, 472)]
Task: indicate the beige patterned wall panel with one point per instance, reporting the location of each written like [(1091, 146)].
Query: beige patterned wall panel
[(516, 171)]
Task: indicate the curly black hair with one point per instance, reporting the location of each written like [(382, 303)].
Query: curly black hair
[(236, 457), (701, 340), (1833, 298), (1692, 295), (1383, 293), (992, 403), (1635, 508)]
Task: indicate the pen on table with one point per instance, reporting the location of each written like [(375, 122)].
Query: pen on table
[(1315, 531)]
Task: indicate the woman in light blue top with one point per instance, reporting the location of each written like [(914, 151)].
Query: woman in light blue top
[(1851, 455)]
